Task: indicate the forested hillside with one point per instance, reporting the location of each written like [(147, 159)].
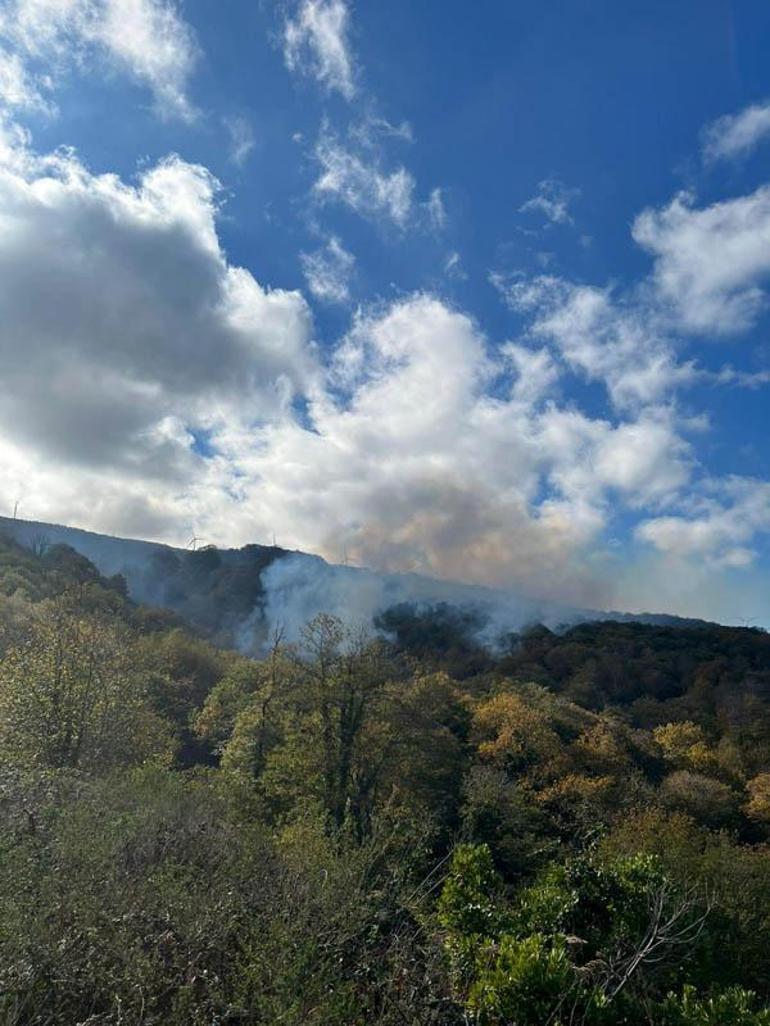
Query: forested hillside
[(232, 596), (375, 827)]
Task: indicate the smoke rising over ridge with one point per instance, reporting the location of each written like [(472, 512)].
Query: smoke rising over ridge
[(241, 596), (298, 587)]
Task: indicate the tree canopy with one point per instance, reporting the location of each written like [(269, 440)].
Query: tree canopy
[(375, 826)]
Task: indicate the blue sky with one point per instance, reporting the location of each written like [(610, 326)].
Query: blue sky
[(473, 290)]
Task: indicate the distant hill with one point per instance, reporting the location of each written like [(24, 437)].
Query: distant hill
[(235, 595)]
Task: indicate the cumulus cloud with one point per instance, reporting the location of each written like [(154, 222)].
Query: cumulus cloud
[(710, 263), (720, 526), (316, 43), (125, 330), (152, 388), (361, 184), (621, 343), (552, 200), (407, 476), (535, 372), (131, 340), (465, 481), (708, 277), (328, 271), (148, 39), (709, 272), (736, 135)]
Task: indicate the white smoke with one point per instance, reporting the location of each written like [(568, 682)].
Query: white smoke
[(299, 587)]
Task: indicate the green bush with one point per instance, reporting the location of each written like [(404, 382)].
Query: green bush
[(735, 1007)]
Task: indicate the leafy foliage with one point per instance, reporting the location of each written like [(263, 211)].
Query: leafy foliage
[(364, 830)]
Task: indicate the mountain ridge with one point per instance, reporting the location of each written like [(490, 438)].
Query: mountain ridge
[(238, 593)]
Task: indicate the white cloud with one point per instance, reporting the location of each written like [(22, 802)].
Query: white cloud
[(128, 339), (132, 336), (125, 330), (736, 135), (552, 200), (710, 268), (154, 44), (642, 462), (372, 128), (354, 171), (362, 185), (316, 43), (17, 90), (242, 139), (728, 375), (328, 271), (453, 266), (710, 263), (437, 210), (398, 473), (535, 369), (709, 277), (720, 528), (145, 38), (620, 344), (405, 475)]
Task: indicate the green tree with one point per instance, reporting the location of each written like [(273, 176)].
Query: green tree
[(309, 728), (73, 695)]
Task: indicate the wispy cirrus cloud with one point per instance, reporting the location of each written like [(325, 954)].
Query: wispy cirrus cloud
[(328, 271), (241, 136), (552, 201), (316, 43), (355, 168), (437, 210), (18, 90), (358, 180)]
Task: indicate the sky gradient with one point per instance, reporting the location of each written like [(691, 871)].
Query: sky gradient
[(478, 291)]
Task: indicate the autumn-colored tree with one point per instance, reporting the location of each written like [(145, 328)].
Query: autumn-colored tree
[(707, 800), (515, 734), (684, 745), (758, 805)]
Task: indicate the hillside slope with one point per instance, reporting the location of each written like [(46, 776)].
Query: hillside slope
[(237, 595)]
